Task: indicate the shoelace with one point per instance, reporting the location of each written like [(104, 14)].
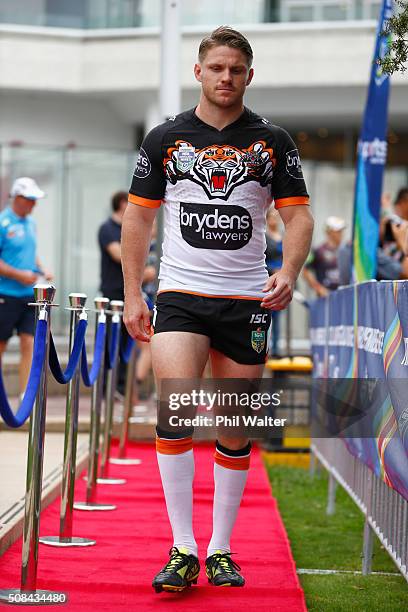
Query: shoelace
[(177, 560), (224, 562)]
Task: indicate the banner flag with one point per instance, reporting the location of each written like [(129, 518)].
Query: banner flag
[(371, 159), (365, 396)]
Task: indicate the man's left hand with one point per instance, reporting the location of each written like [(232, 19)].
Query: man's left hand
[(279, 288)]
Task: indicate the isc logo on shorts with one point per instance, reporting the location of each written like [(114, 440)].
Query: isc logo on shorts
[(259, 317), (209, 226)]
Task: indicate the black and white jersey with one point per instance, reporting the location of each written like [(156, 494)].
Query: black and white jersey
[(216, 186)]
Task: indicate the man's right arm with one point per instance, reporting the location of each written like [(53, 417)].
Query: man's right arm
[(25, 277), (136, 231), (145, 197)]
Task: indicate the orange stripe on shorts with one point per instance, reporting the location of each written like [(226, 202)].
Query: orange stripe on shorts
[(173, 447)]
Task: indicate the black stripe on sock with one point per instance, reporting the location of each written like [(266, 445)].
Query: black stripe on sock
[(241, 452), (175, 435)]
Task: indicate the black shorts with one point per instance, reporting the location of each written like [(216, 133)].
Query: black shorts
[(16, 315), (236, 328)]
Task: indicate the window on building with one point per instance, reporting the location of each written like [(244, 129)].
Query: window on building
[(66, 13), (301, 13), (33, 13), (335, 11), (271, 11), (214, 12), (373, 10), (328, 10), (135, 13)]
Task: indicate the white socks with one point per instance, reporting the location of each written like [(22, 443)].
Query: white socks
[(177, 473), (176, 465), (230, 475)]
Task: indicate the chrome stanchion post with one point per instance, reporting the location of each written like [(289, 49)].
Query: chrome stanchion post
[(127, 407), (65, 538), (116, 311), (101, 304), (28, 593)]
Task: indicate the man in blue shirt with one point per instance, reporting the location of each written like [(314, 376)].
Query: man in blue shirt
[(19, 270)]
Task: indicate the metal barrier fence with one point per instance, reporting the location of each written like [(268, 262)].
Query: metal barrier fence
[(385, 511)]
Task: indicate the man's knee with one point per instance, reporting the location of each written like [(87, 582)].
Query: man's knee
[(233, 443), (26, 343)]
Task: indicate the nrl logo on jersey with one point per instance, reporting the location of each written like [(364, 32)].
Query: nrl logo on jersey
[(185, 157), (219, 169)]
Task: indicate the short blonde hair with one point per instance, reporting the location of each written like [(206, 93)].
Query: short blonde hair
[(226, 36)]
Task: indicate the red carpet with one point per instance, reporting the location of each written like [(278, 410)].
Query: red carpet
[(133, 541)]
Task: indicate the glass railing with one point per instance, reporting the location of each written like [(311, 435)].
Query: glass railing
[(96, 14), (79, 184)]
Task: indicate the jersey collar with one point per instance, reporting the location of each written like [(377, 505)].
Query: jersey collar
[(242, 120)]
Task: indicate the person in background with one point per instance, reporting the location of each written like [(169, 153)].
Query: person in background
[(392, 251), (321, 271), (393, 228), (20, 270), (273, 260), (401, 203), (111, 285), (109, 233)]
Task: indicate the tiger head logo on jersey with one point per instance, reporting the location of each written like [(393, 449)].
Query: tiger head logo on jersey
[(218, 169)]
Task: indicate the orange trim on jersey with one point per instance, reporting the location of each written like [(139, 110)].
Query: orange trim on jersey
[(281, 202), (133, 199), (232, 463), (230, 297), (173, 447)]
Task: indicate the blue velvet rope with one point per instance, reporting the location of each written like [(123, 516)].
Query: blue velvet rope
[(126, 352), (79, 339), (89, 377), (26, 406), (114, 339)]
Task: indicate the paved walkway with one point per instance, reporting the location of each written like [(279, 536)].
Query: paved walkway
[(14, 443), (13, 463)]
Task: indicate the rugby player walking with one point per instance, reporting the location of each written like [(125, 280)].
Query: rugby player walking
[(215, 168)]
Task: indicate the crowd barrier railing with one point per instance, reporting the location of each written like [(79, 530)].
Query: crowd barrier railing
[(359, 336), (385, 510), (105, 361)]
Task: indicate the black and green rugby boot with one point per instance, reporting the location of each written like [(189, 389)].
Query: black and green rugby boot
[(221, 570), (180, 572)]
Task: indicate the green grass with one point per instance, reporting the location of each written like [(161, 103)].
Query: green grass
[(319, 541), (342, 593)]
